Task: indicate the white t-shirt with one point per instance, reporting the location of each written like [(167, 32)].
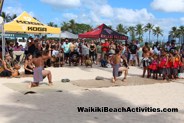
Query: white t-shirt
[(55, 53)]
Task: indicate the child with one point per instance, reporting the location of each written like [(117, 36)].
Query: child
[(163, 64), (169, 65), (176, 63), (88, 61), (116, 59), (154, 66)]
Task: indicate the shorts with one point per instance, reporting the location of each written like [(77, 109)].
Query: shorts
[(174, 71), (66, 55), (165, 71), (133, 56), (145, 62)]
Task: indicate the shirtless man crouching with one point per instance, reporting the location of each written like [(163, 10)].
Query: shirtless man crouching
[(39, 72)]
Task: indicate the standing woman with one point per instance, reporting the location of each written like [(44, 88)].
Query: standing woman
[(99, 52), (92, 51), (28, 65), (85, 51)]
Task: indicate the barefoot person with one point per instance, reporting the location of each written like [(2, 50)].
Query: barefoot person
[(116, 59), (39, 72), (146, 60), (124, 67)]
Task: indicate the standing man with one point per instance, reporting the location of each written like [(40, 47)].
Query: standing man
[(138, 53), (133, 53), (66, 48), (105, 48), (72, 51), (31, 47), (156, 48)]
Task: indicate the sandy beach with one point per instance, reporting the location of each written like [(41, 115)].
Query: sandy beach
[(58, 104)]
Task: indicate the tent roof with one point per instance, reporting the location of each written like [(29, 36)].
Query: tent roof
[(25, 23), (103, 31), (64, 34)]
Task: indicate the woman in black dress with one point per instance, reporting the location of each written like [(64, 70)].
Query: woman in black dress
[(28, 65)]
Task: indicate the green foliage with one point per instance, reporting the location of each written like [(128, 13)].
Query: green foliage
[(121, 29), (139, 32), (75, 28), (157, 32), (52, 24), (149, 27), (131, 31), (8, 17)]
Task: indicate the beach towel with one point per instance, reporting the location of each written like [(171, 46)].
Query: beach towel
[(37, 75)]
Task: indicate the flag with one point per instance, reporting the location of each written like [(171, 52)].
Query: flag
[(1, 5)]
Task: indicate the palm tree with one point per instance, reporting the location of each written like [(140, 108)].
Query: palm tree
[(181, 33), (139, 31), (149, 28), (131, 31), (72, 25), (55, 25), (121, 29), (110, 26), (157, 32), (52, 24), (65, 26), (174, 32), (6, 17), (13, 17)]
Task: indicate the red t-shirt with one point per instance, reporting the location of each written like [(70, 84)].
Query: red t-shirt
[(105, 46)]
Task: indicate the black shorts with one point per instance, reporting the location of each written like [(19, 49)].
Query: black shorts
[(66, 55), (145, 62), (174, 71)]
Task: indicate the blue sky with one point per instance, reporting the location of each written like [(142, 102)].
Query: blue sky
[(163, 13)]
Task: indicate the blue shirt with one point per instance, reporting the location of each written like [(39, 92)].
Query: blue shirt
[(66, 47)]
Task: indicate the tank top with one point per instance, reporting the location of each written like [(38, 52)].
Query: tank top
[(92, 47)]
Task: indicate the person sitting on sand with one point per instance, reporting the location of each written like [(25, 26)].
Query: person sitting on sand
[(28, 65), (39, 73), (116, 59), (7, 69)]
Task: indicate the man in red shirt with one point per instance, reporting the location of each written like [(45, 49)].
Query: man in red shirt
[(105, 48)]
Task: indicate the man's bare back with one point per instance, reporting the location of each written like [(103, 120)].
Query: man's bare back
[(38, 61)]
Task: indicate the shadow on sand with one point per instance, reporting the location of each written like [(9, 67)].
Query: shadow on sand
[(62, 108)]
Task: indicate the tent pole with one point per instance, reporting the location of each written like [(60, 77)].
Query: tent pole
[(3, 42), (59, 49)]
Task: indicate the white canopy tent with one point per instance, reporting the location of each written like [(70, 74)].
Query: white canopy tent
[(64, 34)]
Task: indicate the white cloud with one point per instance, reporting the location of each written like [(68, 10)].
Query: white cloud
[(70, 16), (182, 20), (130, 16), (106, 11), (63, 3), (13, 10), (168, 5)]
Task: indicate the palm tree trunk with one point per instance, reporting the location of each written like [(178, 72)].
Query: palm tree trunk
[(149, 36)]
